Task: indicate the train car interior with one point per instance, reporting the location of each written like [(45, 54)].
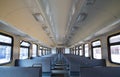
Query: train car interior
[(59, 38)]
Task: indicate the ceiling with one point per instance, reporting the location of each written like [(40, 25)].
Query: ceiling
[(58, 12), (70, 19), (63, 23)]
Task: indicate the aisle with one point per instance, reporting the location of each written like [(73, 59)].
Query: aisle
[(60, 69)]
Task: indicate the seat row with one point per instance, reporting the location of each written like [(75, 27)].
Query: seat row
[(75, 62), (45, 62), (8, 71), (100, 72), (41, 67)]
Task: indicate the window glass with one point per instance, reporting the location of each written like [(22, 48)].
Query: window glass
[(80, 51), (80, 47), (73, 50), (5, 48), (25, 44), (77, 53), (96, 49), (5, 54), (44, 51), (114, 47), (96, 43), (67, 51), (34, 47), (47, 51), (70, 49), (50, 51), (115, 39), (115, 53), (86, 50), (97, 53), (5, 39), (24, 50), (23, 53), (54, 51), (40, 51)]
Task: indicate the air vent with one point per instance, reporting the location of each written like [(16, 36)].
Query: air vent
[(45, 27), (90, 2), (60, 44), (38, 17), (81, 17)]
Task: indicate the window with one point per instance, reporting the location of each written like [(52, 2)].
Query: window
[(76, 50), (72, 50), (48, 50), (6, 46), (40, 51), (34, 47), (86, 48), (44, 51), (96, 50), (67, 51), (80, 51), (24, 50), (114, 48), (54, 51)]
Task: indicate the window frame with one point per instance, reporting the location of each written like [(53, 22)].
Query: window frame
[(21, 46), (92, 47), (112, 44), (6, 44)]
